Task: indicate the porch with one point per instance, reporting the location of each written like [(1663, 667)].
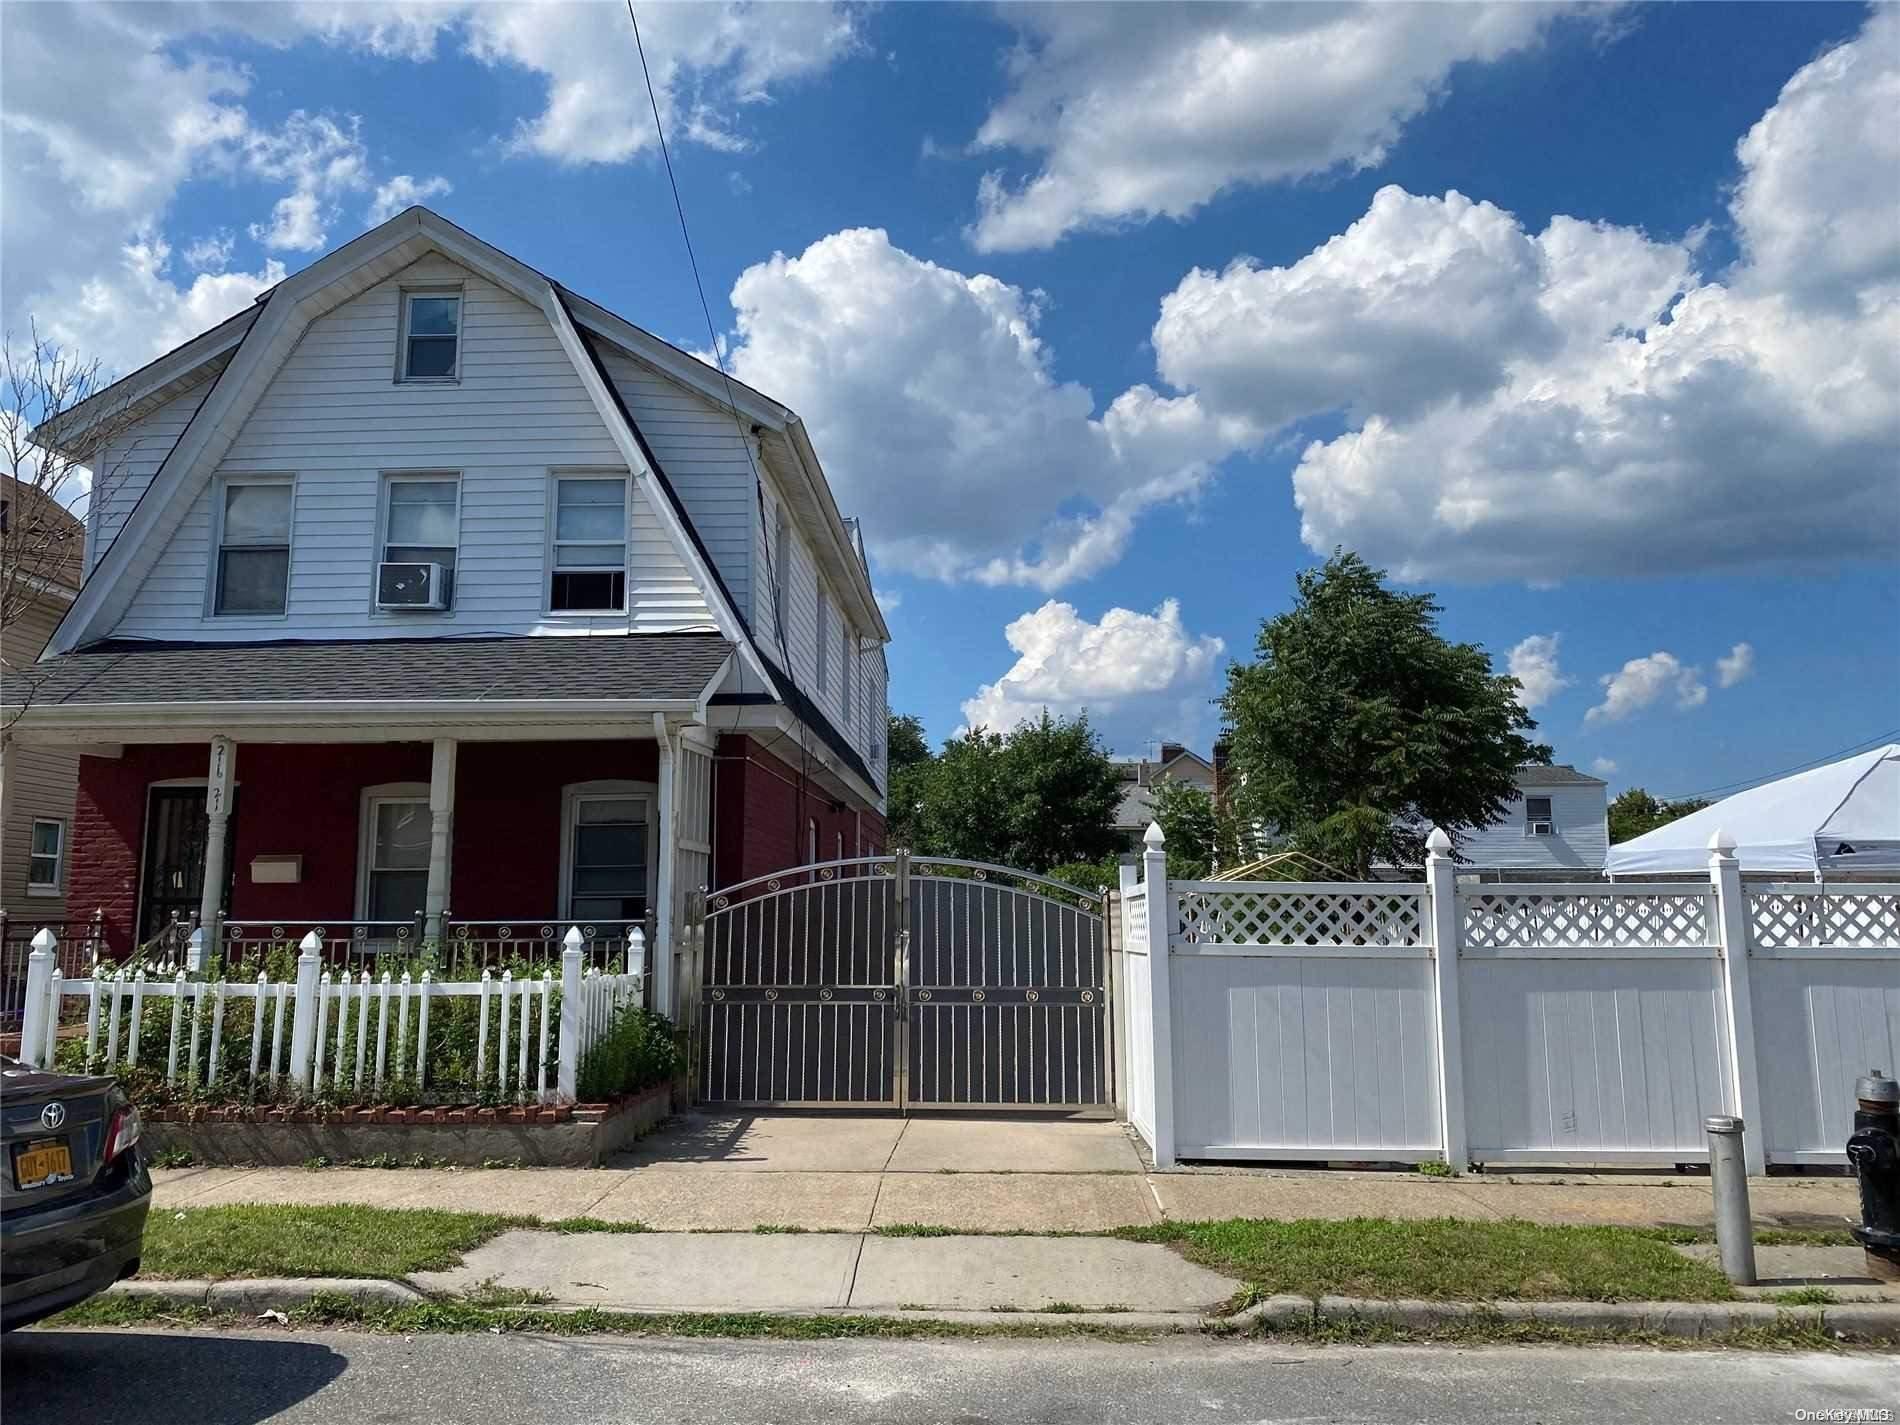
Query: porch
[(483, 851)]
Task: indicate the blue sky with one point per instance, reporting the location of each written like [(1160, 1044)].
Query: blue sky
[(1584, 319)]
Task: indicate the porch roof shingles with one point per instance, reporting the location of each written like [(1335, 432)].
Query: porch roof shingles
[(660, 667)]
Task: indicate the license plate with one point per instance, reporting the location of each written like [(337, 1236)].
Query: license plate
[(42, 1162)]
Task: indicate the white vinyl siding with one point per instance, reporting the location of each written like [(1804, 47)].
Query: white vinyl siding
[(703, 452), (39, 783), (332, 413), (1579, 838), (125, 467)]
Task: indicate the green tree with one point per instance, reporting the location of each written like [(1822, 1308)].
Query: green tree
[(1359, 727), (1635, 811), (1185, 814), (911, 763), (1036, 797)]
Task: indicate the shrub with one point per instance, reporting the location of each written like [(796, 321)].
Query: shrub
[(638, 1049)]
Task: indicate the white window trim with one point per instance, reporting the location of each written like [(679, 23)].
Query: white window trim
[(556, 474), (386, 479), (572, 795), (373, 797), (444, 289), (222, 484), (54, 886)]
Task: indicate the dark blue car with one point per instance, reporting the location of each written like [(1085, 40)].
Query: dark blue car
[(75, 1190)]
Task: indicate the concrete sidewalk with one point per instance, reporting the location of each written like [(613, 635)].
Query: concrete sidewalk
[(841, 1174)]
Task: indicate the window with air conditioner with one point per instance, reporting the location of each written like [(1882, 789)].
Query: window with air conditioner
[(1537, 817), (421, 534)]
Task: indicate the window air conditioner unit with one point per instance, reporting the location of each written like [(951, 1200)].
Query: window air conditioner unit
[(411, 586), (1540, 828)]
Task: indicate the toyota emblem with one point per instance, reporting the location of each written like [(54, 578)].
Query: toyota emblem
[(53, 1115)]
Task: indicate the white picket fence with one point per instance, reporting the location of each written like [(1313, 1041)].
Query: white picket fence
[(1558, 1023), (356, 1034)]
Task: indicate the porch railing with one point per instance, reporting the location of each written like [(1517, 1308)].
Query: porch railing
[(532, 942)]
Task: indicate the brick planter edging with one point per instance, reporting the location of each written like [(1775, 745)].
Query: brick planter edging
[(555, 1135)]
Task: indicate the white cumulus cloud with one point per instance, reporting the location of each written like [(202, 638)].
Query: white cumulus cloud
[(1136, 675), (930, 396), (403, 191), (1603, 766), (1643, 682), (1533, 662), (1582, 400), (1135, 112), (1736, 665)]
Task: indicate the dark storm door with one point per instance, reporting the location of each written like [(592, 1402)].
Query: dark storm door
[(174, 874)]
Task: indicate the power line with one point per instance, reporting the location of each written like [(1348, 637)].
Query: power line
[(1864, 745)]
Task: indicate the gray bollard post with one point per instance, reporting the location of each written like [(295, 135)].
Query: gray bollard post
[(1728, 1178)]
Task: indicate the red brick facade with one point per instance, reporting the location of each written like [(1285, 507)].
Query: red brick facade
[(306, 800)]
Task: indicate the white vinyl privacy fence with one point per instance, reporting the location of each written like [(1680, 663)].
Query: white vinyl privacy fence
[(350, 1034), (1501, 1023)]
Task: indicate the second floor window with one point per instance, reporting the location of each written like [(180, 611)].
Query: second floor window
[(431, 336), (1537, 818), (254, 548), (589, 568), (420, 520), (824, 639)]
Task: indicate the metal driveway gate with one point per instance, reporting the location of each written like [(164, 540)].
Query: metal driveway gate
[(904, 983)]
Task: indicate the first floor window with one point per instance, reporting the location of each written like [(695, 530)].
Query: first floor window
[(607, 877), (420, 520), (47, 855), (590, 545), (397, 878), (254, 547)]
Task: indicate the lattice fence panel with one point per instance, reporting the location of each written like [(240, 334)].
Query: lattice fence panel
[(1135, 908), (1296, 918), (1784, 918), (1664, 921)]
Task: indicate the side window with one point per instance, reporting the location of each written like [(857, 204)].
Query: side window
[(588, 569), (1537, 818), (431, 336), (253, 573), (824, 638), (781, 570), (46, 857), (422, 521)]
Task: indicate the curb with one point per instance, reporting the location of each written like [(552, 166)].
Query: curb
[(1854, 1321), (255, 1295)]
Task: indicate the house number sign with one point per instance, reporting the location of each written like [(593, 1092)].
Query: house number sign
[(218, 786)]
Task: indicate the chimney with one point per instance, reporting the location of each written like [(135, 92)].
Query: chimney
[(1170, 751)]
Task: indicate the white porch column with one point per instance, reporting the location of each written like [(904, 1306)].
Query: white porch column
[(660, 953), (1731, 939), (217, 823), (435, 897)]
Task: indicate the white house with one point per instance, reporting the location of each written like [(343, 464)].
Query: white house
[(425, 591), (1559, 825)]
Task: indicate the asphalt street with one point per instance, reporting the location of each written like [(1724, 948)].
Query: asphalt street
[(126, 1377)]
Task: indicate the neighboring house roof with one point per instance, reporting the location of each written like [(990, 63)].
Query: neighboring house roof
[(1555, 775), (661, 667), (247, 350), (1136, 808)]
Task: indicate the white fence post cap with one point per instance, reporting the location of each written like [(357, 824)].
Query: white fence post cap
[(1438, 843), (1152, 836), (310, 944), (572, 940), (1721, 843), (44, 942)]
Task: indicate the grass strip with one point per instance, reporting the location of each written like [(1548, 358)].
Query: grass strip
[(1442, 1259)]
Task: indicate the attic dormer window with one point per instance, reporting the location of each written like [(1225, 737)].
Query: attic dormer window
[(431, 336)]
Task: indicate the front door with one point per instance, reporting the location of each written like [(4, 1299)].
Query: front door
[(174, 873)]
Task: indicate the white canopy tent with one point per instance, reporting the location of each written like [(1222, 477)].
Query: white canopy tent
[(1841, 817)]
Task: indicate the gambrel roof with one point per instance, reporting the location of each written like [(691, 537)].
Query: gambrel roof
[(243, 354)]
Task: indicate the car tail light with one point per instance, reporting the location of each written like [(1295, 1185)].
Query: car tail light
[(123, 1132)]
